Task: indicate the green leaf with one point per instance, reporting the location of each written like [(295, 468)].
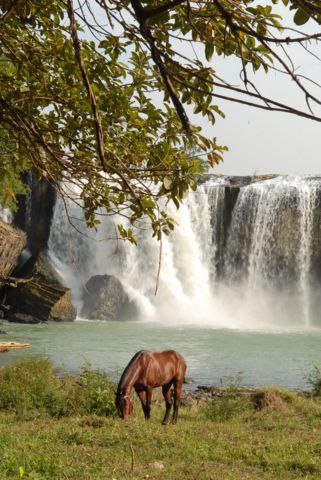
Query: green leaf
[(301, 17), (167, 182), (209, 50)]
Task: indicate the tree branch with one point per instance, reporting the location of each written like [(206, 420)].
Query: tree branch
[(151, 12), (77, 49), (107, 167), (309, 7), (146, 33), (11, 8), (249, 31)]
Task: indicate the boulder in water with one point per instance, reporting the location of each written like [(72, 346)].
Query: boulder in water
[(104, 298), (23, 318), (44, 297)]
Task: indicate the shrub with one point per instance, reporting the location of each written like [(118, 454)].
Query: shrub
[(313, 379), (27, 384), (98, 392), (231, 402), (31, 387)]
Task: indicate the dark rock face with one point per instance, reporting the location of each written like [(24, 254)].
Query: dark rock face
[(35, 212), (44, 297), (104, 298)]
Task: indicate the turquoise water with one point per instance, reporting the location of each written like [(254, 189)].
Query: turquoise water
[(265, 358)]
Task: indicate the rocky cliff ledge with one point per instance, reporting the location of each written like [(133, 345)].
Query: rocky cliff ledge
[(12, 242), (43, 297)]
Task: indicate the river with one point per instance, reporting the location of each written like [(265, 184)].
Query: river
[(281, 358)]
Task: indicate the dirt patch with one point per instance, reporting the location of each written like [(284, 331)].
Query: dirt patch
[(267, 399)]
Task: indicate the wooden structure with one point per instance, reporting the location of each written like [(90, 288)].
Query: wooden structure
[(6, 346)]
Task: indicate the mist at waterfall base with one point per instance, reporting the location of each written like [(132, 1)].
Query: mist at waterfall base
[(257, 273)]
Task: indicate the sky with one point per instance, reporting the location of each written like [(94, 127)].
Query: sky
[(266, 142), (270, 142)]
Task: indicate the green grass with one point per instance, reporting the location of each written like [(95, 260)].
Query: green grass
[(227, 438)]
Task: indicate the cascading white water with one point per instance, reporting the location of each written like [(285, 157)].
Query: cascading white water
[(254, 272), (308, 205), (187, 268), (5, 215), (269, 247)]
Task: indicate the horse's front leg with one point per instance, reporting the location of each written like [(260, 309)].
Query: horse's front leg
[(168, 401), (149, 392), (177, 399), (142, 397)]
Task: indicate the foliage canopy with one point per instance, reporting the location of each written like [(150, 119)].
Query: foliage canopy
[(99, 93)]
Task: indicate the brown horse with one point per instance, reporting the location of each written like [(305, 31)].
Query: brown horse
[(148, 370)]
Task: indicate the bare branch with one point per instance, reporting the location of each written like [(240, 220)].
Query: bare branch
[(146, 33), (77, 48), (10, 10)]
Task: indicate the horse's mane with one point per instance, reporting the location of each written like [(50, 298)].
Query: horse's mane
[(124, 376)]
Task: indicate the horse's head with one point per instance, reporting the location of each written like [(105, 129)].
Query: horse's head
[(124, 405)]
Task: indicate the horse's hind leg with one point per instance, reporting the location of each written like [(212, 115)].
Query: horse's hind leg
[(177, 399), (168, 401)]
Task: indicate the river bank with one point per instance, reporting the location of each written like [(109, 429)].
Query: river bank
[(56, 428)]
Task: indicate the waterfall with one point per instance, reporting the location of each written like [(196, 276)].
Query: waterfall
[(188, 256), (269, 250), (252, 264), (308, 206)]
